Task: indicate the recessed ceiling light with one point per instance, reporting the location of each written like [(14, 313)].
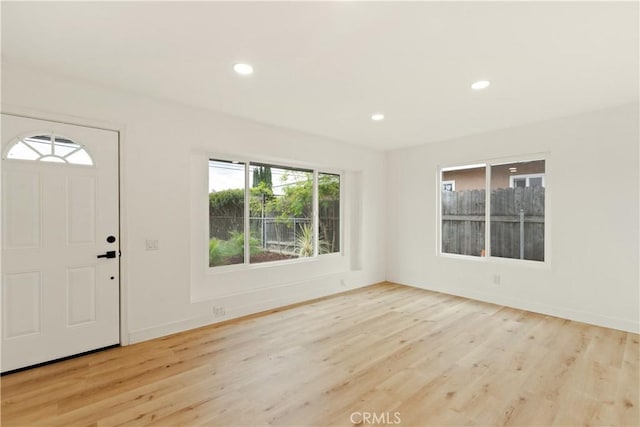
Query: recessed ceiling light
[(243, 69), (376, 117), (482, 84)]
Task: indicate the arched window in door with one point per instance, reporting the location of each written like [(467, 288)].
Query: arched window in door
[(49, 148)]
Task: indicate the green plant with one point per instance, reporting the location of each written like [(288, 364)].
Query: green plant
[(304, 242), (228, 249), (254, 245), (260, 194), (227, 202), (262, 175), (221, 250), (215, 253), (296, 202), (236, 244)]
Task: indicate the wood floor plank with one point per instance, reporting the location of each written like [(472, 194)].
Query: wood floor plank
[(386, 350)]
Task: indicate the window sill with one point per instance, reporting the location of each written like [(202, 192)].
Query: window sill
[(498, 260), (212, 271)]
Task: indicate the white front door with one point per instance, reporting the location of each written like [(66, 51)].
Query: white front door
[(60, 241)]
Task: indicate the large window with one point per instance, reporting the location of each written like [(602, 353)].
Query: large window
[(514, 205), (261, 212)]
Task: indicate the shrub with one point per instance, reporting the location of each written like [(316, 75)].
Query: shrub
[(235, 245), (305, 242), (215, 252)]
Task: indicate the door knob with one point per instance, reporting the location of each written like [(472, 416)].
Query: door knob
[(108, 254)]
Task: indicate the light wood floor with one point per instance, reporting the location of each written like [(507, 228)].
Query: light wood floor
[(399, 353)]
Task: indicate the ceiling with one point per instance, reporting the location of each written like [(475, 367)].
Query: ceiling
[(324, 67)]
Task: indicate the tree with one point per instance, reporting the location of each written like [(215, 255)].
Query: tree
[(329, 211), (294, 203), (260, 196), (262, 174)]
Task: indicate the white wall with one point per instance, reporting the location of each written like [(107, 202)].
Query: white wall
[(592, 276), (162, 145), (592, 198)]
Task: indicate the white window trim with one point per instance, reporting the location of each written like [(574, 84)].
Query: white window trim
[(527, 177), (546, 156), (247, 162)]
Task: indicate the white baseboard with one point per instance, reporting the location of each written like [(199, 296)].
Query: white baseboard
[(562, 312), (168, 329), (261, 301), (300, 292)]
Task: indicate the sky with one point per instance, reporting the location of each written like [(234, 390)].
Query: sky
[(225, 176)]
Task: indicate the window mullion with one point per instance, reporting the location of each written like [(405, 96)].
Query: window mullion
[(487, 211), (247, 214), (315, 216)]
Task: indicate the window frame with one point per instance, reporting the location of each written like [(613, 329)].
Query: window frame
[(315, 170), (527, 178), (487, 164), (451, 181)]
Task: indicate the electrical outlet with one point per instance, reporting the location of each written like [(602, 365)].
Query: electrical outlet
[(219, 311), (152, 244), (496, 279)]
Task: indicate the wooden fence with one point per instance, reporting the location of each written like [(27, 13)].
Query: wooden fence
[(276, 233), (273, 231), (517, 222)]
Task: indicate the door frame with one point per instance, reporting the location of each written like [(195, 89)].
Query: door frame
[(120, 129)]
